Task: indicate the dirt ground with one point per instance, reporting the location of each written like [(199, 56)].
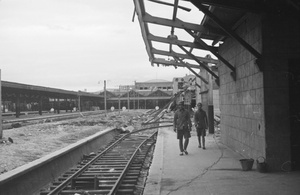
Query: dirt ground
[(28, 143)]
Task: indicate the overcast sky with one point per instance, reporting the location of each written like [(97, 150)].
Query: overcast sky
[(76, 44)]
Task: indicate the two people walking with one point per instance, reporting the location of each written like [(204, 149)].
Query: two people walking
[(183, 126)]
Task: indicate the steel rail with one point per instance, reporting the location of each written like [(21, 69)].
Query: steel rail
[(75, 114), (119, 180), (60, 187)]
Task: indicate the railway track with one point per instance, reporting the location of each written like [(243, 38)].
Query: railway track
[(9, 123), (115, 170)]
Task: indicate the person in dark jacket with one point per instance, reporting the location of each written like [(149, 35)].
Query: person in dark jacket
[(182, 125), (200, 121)]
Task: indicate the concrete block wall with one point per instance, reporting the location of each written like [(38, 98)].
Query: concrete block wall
[(204, 97), (255, 109), (242, 101), (281, 42)]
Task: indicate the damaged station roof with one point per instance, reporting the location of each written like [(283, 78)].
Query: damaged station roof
[(181, 42)]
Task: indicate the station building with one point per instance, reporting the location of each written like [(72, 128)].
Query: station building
[(257, 46)]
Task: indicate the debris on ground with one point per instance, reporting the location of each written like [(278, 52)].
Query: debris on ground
[(30, 142)]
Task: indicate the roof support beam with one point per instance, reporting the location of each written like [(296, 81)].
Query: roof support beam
[(224, 27), (180, 24), (195, 45), (140, 11)]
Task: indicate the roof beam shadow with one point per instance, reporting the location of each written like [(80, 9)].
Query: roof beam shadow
[(200, 63), (198, 39)]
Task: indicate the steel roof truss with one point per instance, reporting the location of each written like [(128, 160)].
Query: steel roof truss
[(189, 67), (172, 63), (177, 23), (166, 53), (170, 4)]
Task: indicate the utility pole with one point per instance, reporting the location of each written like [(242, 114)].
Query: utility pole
[(134, 100), (105, 96), (128, 102), (138, 101), (119, 99)]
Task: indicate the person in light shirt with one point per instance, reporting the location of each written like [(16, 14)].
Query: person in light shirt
[(182, 126)]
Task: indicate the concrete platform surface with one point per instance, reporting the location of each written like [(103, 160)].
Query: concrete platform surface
[(213, 171)]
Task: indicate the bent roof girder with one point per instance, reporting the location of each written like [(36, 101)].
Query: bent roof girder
[(140, 11), (195, 45), (200, 63), (189, 67), (166, 53)]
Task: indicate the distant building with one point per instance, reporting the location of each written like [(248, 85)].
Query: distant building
[(155, 84), (141, 95), (158, 92), (186, 82)]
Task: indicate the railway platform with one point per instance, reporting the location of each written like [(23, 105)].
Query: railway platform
[(213, 171)]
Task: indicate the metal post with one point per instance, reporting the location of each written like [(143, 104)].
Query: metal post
[(134, 100), (1, 131), (138, 101), (79, 102), (40, 105), (58, 105), (210, 108), (18, 106)]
